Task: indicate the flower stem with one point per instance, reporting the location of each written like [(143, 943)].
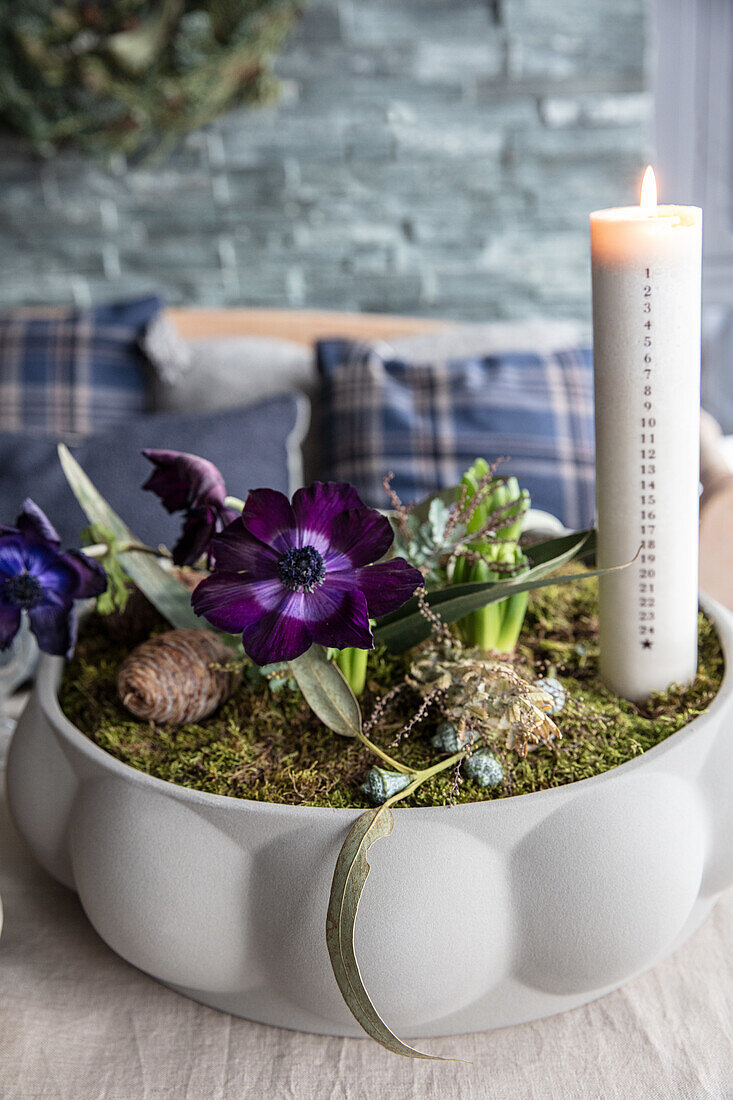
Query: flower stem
[(101, 549), (235, 503), (98, 550), (127, 547)]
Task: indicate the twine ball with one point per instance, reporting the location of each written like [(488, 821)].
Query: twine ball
[(177, 677)]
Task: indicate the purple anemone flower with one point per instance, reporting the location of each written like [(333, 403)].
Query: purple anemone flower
[(189, 484), (288, 575), (37, 577)]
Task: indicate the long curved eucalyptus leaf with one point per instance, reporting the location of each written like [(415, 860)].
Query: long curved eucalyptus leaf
[(165, 593), (327, 692), (352, 869), (407, 626), (579, 545)]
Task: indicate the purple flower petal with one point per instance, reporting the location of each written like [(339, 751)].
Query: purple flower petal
[(184, 481), (54, 624), (36, 557), (230, 603), (279, 635), (91, 577), (269, 517), (236, 549), (32, 521), (315, 508), (386, 586), (338, 617), (358, 536), (57, 575), (37, 577), (278, 593), (9, 625), (12, 556)]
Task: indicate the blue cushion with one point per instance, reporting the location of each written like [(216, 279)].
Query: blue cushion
[(253, 447), (74, 370), (427, 422)]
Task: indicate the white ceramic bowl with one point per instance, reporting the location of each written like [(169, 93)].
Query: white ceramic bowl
[(474, 917)]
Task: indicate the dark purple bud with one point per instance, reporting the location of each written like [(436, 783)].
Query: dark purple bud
[(192, 485)]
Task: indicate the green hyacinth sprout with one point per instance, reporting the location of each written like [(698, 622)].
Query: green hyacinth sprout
[(353, 664), (493, 554)]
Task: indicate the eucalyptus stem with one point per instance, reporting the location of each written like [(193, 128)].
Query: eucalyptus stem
[(395, 764), (421, 776)]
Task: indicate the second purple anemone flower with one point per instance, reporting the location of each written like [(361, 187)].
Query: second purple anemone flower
[(37, 577), (192, 485), (290, 575)]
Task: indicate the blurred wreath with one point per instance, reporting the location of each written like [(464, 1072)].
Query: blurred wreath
[(133, 75)]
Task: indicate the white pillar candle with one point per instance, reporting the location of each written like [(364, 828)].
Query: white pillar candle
[(646, 264)]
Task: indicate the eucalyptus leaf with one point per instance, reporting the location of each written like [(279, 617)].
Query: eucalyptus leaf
[(407, 627), (350, 875), (326, 691), (171, 598), (421, 511), (438, 516)]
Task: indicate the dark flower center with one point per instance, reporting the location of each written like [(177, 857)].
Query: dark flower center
[(22, 590), (301, 569)]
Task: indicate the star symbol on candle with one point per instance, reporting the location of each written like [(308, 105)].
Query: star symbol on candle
[(646, 644)]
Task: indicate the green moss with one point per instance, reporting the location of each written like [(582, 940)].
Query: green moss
[(267, 746)]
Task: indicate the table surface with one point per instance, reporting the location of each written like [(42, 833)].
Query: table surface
[(78, 1023)]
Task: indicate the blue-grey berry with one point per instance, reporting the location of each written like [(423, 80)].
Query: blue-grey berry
[(484, 769), (555, 690), (381, 784), (445, 738)]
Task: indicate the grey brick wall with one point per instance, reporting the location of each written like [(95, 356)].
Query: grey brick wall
[(427, 156)]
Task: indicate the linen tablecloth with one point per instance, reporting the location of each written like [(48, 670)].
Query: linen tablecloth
[(78, 1023)]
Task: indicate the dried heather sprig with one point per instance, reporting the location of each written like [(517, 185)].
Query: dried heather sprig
[(489, 697)]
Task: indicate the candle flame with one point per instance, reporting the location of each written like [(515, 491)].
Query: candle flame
[(648, 200)]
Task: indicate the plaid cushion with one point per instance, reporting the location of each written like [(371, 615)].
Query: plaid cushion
[(427, 422), (73, 371)]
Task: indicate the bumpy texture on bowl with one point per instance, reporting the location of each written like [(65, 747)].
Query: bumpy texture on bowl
[(475, 916)]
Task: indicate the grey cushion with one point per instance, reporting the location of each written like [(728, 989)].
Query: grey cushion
[(224, 372), (496, 338), (228, 371), (253, 447)]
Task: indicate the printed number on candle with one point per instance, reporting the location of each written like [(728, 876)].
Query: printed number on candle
[(646, 604)]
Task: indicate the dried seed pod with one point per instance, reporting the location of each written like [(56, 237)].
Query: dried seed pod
[(177, 677), (380, 784), (483, 769)]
